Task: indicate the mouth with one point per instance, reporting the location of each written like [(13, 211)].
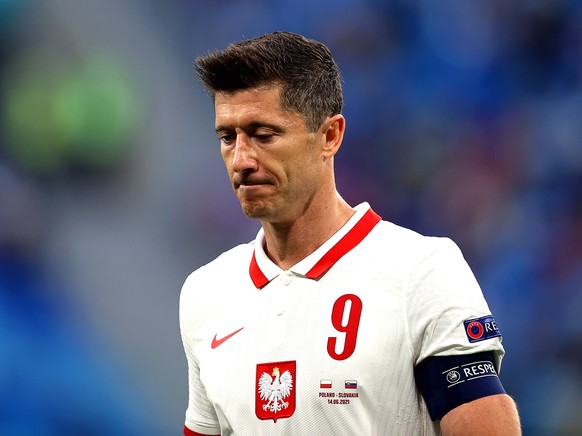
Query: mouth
[(246, 183), (255, 189), (252, 186)]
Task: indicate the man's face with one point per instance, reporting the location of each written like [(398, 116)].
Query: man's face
[(274, 163)]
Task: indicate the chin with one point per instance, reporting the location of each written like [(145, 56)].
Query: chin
[(265, 210), (257, 211)]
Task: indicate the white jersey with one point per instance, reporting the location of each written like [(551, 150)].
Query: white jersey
[(329, 346)]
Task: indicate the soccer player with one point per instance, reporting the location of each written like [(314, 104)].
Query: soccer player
[(332, 321)]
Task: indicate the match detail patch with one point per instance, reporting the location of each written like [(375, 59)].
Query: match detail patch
[(480, 329)]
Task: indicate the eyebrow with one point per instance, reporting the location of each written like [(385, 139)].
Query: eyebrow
[(253, 126)]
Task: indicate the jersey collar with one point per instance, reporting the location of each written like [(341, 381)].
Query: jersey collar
[(262, 270)]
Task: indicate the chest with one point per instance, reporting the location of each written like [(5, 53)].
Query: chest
[(343, 341)]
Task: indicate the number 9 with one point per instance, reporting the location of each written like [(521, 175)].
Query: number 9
[(350, 328)]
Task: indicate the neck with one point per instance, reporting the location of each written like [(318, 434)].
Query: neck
[(290, 242)]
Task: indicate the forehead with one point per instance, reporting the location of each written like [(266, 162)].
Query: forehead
[(263, 97), (252, 105)]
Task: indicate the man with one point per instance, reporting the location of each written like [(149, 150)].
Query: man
[(332, 321)]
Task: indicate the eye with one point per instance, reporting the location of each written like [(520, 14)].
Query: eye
[(264, 137), (226, 138)]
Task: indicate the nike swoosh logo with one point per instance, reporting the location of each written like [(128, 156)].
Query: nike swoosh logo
[(216, 342)]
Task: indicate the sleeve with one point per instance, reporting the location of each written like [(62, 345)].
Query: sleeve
[(446, 309), (200, 414), (455, 339)]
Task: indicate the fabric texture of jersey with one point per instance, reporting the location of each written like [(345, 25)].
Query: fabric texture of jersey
[(330, 345)]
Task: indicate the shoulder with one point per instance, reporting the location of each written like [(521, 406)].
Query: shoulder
[(404, 245), (221, 281), (231, 265), (227, 263)]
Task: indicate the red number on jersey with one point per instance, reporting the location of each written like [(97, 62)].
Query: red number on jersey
[(351, 315)]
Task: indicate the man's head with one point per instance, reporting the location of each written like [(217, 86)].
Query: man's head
[(308, 77)]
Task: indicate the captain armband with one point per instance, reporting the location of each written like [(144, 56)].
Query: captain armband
[(449, 381)]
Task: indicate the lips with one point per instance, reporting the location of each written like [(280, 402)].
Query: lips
[(252, 190), (250, 182)]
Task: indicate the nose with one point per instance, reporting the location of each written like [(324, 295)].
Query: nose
[(243, 155)]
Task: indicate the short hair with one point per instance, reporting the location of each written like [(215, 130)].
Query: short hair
[(309, 77)]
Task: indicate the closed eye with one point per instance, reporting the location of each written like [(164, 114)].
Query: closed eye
[(264, 137)]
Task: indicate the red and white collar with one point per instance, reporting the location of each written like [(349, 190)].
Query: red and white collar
[(262, 269)]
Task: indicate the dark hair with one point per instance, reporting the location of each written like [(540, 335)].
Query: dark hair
[(310, 79)]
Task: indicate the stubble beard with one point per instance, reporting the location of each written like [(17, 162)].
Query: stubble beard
[(257, 209)]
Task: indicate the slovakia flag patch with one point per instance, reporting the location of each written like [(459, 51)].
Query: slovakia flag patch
[(480, 329)]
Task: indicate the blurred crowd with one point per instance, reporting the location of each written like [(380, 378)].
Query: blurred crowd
[(463, 120)]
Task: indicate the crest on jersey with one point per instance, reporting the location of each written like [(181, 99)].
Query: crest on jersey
[(275, 390)]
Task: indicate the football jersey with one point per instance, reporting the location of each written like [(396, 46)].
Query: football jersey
[(329, 346)]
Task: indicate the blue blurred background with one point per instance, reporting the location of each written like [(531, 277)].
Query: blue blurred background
[(464, 119)]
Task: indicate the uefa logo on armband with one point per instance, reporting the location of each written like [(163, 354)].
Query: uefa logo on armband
[(480, 329)]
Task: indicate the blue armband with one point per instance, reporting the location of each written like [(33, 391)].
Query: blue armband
[(449, 381)]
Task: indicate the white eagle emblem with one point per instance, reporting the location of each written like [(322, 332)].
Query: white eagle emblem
[(275, 390)]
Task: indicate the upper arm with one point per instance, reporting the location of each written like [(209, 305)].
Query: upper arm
[(457, 343), (492, 415), (444, 295)]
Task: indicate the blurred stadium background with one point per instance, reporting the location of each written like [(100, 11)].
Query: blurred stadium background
[(464, 119)]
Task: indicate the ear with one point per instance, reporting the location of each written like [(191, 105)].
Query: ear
[(333, 130)]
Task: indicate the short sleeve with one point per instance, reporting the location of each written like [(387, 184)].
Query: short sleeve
[(200, 414), (443, 300)]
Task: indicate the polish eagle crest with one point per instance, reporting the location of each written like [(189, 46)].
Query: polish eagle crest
[(274, 389)]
